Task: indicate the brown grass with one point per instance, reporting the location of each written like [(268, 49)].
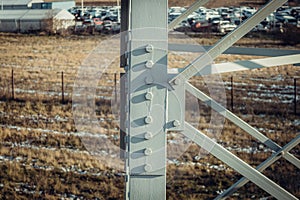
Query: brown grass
[(35, 60)]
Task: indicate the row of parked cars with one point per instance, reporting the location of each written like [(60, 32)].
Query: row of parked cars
[(225, 19), (106, 19), (103, 19)]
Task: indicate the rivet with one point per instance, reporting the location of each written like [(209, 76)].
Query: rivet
[(148, 151), (149, 64), (149, 96), (148, 135), (176, 123), (148, 119), (149, 48), (149, 80), (147, 168)]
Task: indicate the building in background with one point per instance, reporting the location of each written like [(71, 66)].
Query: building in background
[(52, 4), (17, 4), (34, 20), (36, 4)]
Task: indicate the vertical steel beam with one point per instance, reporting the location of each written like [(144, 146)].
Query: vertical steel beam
[(145, 61)]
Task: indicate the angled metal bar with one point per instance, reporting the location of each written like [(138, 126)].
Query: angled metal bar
[(240, 123), (232, 117), (244, 65), (184, 15), (276, 156), (236, 163), (205, 59), (255, 64), (234, 50), (292, 159)]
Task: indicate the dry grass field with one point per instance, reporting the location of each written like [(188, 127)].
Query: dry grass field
[(42, 156)]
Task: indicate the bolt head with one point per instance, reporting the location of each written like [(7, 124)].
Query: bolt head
[(148, 119), (148, 151), (147, 168), (176, 123), (148, 135), (149, 64), (149, 96), (149, 48)]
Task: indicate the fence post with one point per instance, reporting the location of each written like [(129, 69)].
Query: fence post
[(295, 96), (62, 88), (12, 85), (231, 80)]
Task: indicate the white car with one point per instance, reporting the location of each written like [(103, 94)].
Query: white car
[(226, 26)]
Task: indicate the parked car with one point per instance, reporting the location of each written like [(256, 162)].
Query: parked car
[(201, 26), (286, 19), (111, 27), (226, 26), (248, 12)]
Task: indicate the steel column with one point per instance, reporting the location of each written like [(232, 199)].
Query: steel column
[(146, 48)]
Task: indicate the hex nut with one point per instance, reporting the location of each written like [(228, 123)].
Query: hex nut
[(149, 48), (148, 135), (149, 96), (148, 151), (149, 64), (148, 119), (147, 168), (176, 123)]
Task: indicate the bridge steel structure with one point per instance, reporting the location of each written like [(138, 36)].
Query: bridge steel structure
[(153, 98)]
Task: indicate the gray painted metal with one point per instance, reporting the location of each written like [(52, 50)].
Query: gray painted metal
[(151, 107), (255, 64), (232, 117), (234, 50), (189, 11), (292, 159), (228, 41), (244, 65), (236, 163), (147, 48), (240, 123), (276, 156)]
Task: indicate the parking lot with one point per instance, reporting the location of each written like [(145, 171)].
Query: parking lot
[(106, 19)]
